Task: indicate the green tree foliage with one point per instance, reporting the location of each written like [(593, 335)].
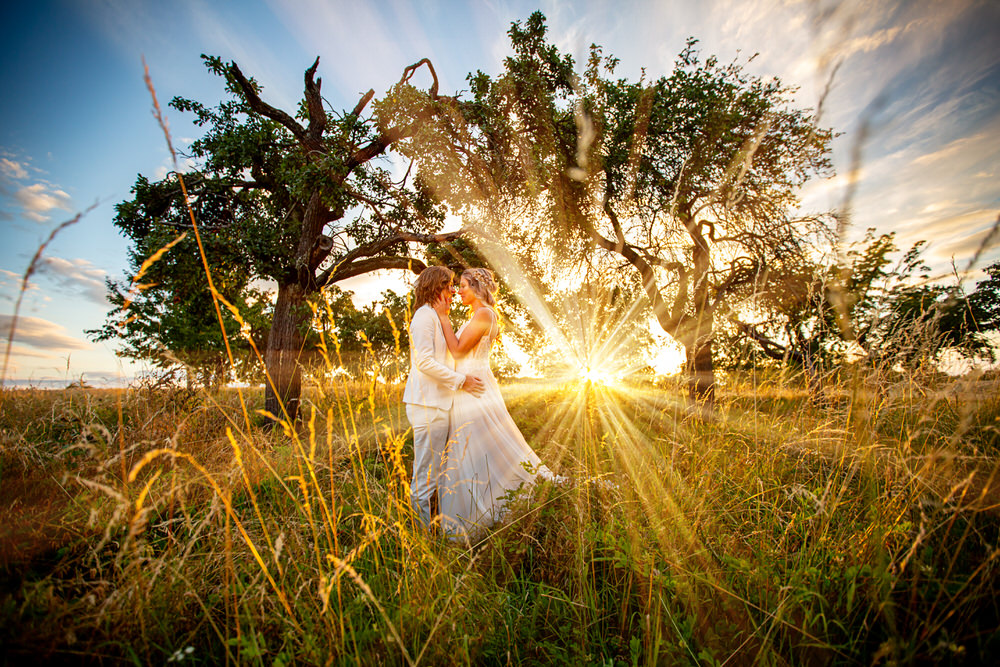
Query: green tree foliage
[(687, 180), (297, 201), (168, 317), (371, 339), (816, 314), (984, 302), (806, 310), (914, 321)]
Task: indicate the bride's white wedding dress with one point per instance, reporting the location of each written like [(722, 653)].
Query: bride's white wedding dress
[(487, 455)]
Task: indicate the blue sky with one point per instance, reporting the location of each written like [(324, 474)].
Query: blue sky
[(917, 92)]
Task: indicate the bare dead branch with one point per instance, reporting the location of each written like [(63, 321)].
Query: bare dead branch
[(265, 109), (363, 266), (314, 103), (363, 102), (411, 70)]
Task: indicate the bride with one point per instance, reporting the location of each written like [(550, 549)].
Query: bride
[(488, 457)]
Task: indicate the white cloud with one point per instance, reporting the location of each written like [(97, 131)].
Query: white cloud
[(39, 199), (78, 276), (41, 334), (12, 169), (184, 164), (35, 200)]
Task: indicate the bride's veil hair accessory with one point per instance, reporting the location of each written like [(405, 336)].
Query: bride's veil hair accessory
[(482, 283)]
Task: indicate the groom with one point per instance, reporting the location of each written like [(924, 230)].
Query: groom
[(431, 385)]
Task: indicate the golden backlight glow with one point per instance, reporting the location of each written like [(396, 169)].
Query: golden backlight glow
[(597, 376)]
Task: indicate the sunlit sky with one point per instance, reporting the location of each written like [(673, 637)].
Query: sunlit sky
[(921, 78)]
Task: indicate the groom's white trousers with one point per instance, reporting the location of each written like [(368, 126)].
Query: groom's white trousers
[(430, 440)]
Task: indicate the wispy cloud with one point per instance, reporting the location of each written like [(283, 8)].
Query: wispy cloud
[(132, 26), (22, 351), (41, 334), (338, 30), (35, 200), (13, 169), (78, 276), (38, 199), (392, 33), (966, 246), (233, 38), (10, 284), (934, 191)]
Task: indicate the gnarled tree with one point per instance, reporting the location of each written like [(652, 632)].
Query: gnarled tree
[(689, 181), (888, 313), (295, 199)]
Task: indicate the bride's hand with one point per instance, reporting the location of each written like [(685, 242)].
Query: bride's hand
[(441, 306)]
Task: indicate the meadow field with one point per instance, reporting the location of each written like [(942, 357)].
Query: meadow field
[(165, 525)]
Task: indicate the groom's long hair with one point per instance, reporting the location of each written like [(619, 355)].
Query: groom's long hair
[(429, 284)]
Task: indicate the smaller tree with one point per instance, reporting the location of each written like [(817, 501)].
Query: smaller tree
[(814, 315), (370, 339), (984, 302), (687, 182)]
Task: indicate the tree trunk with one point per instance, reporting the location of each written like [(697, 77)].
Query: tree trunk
[(700, 368), (698, 348), (281, 358)]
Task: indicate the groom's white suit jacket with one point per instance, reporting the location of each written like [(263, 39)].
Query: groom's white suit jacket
[(433, 380)]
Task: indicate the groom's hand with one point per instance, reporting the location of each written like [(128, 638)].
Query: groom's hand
[(473, 385)]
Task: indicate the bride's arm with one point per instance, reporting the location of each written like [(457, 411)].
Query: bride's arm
[(474, 330)]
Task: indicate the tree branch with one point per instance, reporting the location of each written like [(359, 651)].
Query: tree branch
[(616, 225), (377, 145), (314, 103), (363, 102), (369, 250), (769, 347), (668, 321), (391, 135), (321, 250), (266, 110), (360, 267), (738, 276), (411, 70)]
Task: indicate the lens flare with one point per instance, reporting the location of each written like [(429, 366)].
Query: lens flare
[(599, 376)]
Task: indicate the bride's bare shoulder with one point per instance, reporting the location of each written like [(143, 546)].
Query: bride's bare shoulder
[(483, 315)]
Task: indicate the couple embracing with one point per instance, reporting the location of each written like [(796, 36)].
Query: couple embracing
[(467, 451)]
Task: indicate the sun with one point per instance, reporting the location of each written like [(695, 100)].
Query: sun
[(599, 376)]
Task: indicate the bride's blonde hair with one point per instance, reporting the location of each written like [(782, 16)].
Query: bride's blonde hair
[(482, 283)]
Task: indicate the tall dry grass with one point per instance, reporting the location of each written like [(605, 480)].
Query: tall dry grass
[(160, 525), (776, 532)]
